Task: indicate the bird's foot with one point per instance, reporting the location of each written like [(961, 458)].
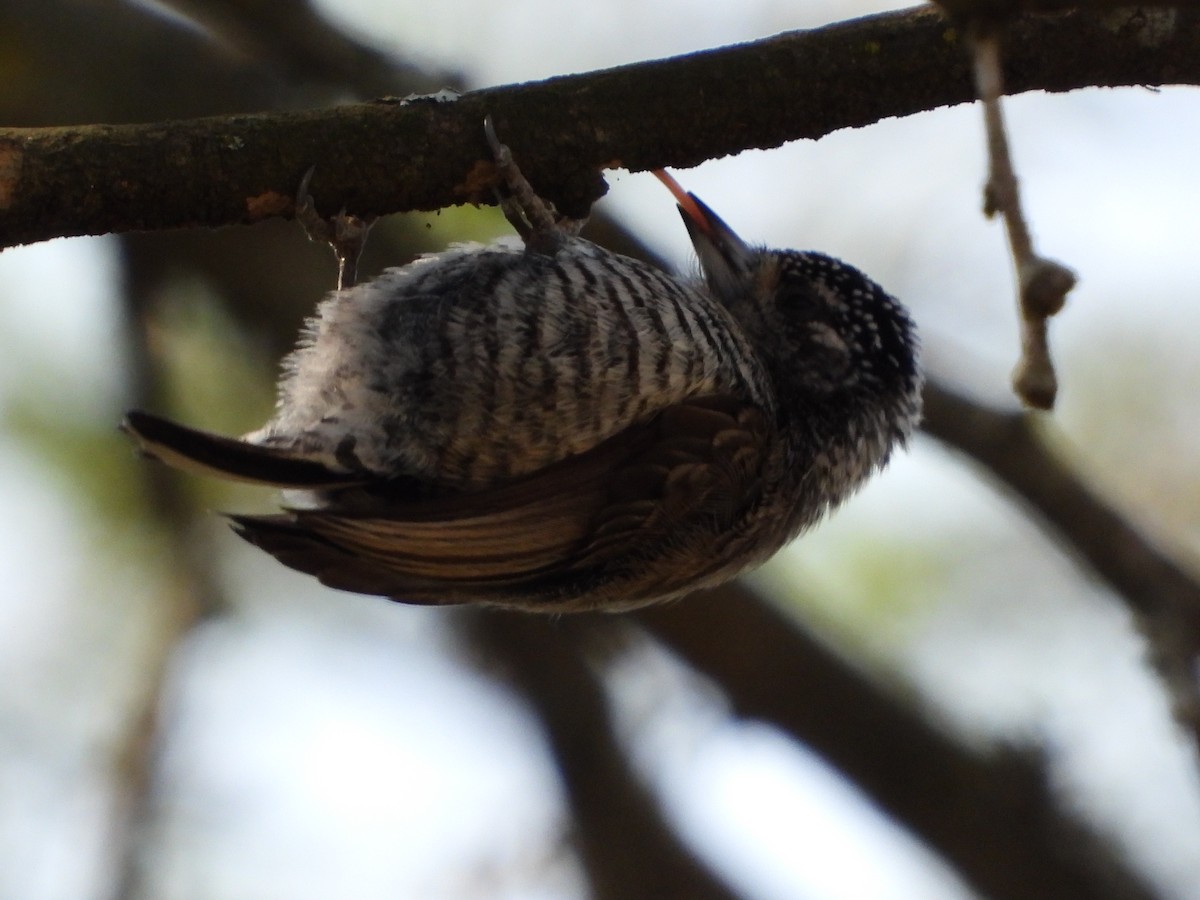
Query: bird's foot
[(345, 233), (535, 220)]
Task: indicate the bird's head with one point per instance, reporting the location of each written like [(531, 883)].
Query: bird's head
[(822, 326)]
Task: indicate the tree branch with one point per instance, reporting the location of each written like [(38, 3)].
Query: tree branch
[(628, 849), (192, 595), (1163, 597), (992, 816), (388, 156), (296, 41), (1042, 284)]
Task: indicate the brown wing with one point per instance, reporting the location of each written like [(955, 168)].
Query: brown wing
[(694, 468)]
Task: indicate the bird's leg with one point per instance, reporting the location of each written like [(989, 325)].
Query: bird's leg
[(345, 233), (535, 220)]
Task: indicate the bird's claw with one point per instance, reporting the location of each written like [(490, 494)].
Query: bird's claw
[(535, 220), (345, 233)]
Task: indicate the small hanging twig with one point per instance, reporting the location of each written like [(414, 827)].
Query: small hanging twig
[(1043, 284)]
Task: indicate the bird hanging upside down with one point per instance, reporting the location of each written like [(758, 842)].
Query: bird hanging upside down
[(544, 425)]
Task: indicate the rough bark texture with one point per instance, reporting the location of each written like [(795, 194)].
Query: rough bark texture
[(388, 156)]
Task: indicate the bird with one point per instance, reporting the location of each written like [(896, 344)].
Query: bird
[(543, 425)]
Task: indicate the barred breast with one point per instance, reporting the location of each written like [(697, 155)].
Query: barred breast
[(476, 365)]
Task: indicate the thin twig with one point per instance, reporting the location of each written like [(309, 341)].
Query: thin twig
[(1043, 284)]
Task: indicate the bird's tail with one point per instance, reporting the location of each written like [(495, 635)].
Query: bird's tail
[(202, 452)]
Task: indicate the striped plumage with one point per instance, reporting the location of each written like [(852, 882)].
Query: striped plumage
[(549, 426), (480, 364)]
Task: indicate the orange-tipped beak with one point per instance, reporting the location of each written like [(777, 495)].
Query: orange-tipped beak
[(687, 203), (725, 259)]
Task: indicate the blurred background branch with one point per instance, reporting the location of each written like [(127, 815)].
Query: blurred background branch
[(992, 814), (628, 850), (1163, 597), (190, 596)]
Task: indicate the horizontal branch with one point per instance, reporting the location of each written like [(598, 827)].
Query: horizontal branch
[(1003, 11), (389, 156)]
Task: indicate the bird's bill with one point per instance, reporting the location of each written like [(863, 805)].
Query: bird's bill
[(724, 257)]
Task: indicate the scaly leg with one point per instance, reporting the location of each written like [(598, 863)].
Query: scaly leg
[(345, 233), (535, 219)]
